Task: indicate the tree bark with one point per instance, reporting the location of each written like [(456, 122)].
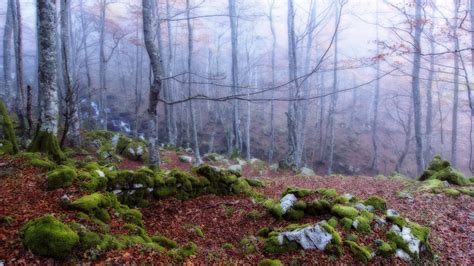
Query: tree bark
[(7, 42), (454, 134), (237, 139)]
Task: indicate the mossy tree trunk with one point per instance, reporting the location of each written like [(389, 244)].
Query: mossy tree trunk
[(45, 137), (8, 127)]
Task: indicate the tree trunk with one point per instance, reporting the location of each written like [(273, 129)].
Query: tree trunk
[(237, 139), (86, 63), (190, 80), (45, 137), (149, 34), (272, 94), (454, 134), (429, 100), (416, 88), (375, 161), (7, 42), (102, 67)]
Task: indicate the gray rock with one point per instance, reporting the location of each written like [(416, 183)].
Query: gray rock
[(287, 202), (392, 212), (100, 173), (402, 255), (274, 167), (312, 237), (361, 207), (305, 171), (115, 140), (412, 242), (186, 159), (241, 162), (236, 168)]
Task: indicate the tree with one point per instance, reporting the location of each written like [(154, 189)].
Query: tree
[(7, 41), (190, 82), (71, 124), (272, 102), (454, 134), (45, 137), (415, 85), (149, 35), (375, 161), (237, 139)]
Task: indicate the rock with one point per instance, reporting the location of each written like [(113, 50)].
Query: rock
[(186, 159), (100, 173), (402, 255), (287, 202), (274, 167), (241, 162), (412, 242), (380, 221), (189, 150), (115, 140), (305, 171), (361, 207), (313, 237), (392, 212), (236, 168), (349, 196)]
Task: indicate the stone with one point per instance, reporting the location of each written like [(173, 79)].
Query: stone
[(402, 255), (186, 159), (392, 212), (287, 202), (305, 171), (236, 168), (241, 162), (274, 167), (361, 207), (312, 237)]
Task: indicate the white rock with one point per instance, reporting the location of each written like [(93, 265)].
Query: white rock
[(349, 196), (402, 255), (186, 159), (115, 140), (100, 173), (305, 171), (392, 212), (355, 223), (237, 168), (313, 237), (412, 242), (241, 162), (117, 191), (137, 186), (287, 202), (254, 160)]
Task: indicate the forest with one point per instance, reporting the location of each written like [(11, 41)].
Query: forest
[(256, 132)]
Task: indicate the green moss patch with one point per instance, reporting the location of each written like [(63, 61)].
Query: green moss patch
[(364, 254), (344, 211), (376, 202), (47, 236), (61, 177), (270, 262), (442, 170)]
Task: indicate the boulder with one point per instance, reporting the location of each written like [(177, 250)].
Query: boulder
[(236, 168), (312, 237), (305, 171), (287, 202), (186, 159)]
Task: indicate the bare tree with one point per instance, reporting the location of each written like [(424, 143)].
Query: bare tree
[(7, 42), (272, 103), (454, 134)]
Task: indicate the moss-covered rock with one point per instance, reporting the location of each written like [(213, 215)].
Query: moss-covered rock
[(344, 211), (61, 177), (346, 223), (164, 241), (364, 254), (274, 208), (270, 262), (452, 192), (442, 170), (385, 249), (335, 246), (328, 192), (46, 142), (298, 192), (181, 253), (333, 222), (362, 224), (294, 214), (254, 182), (376, 202), (272, 245), (247, 245), (47, 236), (319, 206), (39, 160)]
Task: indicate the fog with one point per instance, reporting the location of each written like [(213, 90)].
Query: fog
[(339, 96)]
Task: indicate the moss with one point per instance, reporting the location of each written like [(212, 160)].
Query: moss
[(255, 182), (133, 216), (432, 184), (352, 237), (335, 246), (298, 192), (270, 262), (47, 236), (363, 225), (452, 192), (300, 205), (362, 253), (274, 208), (254, 215), (333, 221), (188, 250), (399, 242), (101, 214), (367, 215), (346, 223), (247, 246), (451, 175), (164, 241), (90, 240), (135, 230), (328, 192), (420, 232), (241, 186), (263, 232), (47, 143), (61, 177), (6, 147), (228, 246), (8, 220), (90, 202), (385, 249), (376, 202), (318, 207), (294, 215), (344, 211), (341, 199), (46, 164), (8, 130), (93, 181), (163, 192), (272, 245), (467, 191), (198, 231), (398, 220)]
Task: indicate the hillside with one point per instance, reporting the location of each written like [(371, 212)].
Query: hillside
[(211, 215)]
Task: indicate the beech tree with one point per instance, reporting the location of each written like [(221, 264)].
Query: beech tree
[(45, 137)]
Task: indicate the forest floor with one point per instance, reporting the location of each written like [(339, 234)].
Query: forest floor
[(224, 220)]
